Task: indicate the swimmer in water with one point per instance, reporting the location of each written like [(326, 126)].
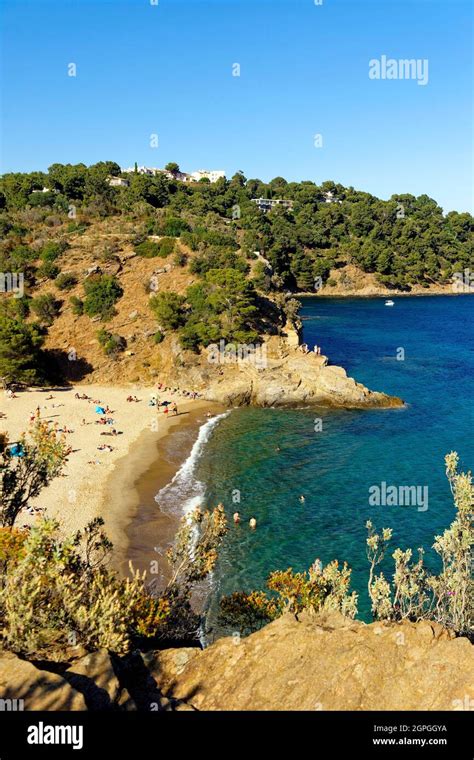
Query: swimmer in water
[(236, 517), (253, 523), (302, 499)]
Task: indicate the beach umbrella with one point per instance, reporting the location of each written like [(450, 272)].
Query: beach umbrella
[(100, 410)]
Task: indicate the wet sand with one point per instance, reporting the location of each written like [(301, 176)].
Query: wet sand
[(142, 531)]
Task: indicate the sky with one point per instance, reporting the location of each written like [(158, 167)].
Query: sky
[(167, 68)]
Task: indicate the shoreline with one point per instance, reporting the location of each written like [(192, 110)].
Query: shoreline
[(382, 294), (139, 525)]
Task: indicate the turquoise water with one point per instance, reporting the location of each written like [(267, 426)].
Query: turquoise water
[(335, 467)]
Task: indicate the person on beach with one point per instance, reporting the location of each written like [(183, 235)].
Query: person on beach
[(253, 523), (166, 410), (174, 409), (236, 518)]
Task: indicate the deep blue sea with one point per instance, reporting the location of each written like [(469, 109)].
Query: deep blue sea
[(335, 467)]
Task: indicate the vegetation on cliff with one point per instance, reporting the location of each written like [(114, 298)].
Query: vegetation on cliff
[(247, 262), (405, 240)]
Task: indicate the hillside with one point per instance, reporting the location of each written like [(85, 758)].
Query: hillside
[(138, 283)]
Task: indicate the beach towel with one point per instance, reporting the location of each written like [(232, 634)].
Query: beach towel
[(16, 450)]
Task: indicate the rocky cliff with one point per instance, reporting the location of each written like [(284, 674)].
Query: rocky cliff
[(316, 663), (278, 374)]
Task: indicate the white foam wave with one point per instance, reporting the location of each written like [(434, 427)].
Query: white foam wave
[(185, 492)]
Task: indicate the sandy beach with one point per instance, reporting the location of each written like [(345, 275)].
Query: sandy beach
[(99, 482)]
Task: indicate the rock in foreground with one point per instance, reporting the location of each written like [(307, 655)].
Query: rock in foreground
[(325, 664), (318, 663)]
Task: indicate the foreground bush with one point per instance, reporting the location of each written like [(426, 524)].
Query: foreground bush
[(414, 593), (417, 594), (22, 478), (319, 589), (56, 591), (59, 592)]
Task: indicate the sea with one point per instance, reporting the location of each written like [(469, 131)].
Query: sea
[(313, 476)]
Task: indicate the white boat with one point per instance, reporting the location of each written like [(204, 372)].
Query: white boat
[(389, 303)]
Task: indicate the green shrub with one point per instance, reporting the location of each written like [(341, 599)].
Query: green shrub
[(166, 247), (111, 343), (77, 306), (51, 251), (180, 258), (20, 351), (148, 249), (319, 589), (158, 337), (151, 248), (168, 309), (48, 269), (102, 292), (79, 227), (172, 226), (65, 281), (54, 588), (46, 308)]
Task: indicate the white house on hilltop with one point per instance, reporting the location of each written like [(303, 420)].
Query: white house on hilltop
[(212, 175)]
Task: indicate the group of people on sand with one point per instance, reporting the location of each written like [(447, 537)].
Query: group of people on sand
[(181, 392), (173, 408)]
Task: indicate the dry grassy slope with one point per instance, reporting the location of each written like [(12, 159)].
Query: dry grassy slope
[(134, 319), (143, 361)]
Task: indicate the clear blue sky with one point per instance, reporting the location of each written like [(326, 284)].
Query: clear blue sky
[(167, 69)]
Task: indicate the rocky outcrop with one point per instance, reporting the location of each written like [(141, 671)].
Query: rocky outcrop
[(286, 376), (37, 689), (325, 663), (319, 662)]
